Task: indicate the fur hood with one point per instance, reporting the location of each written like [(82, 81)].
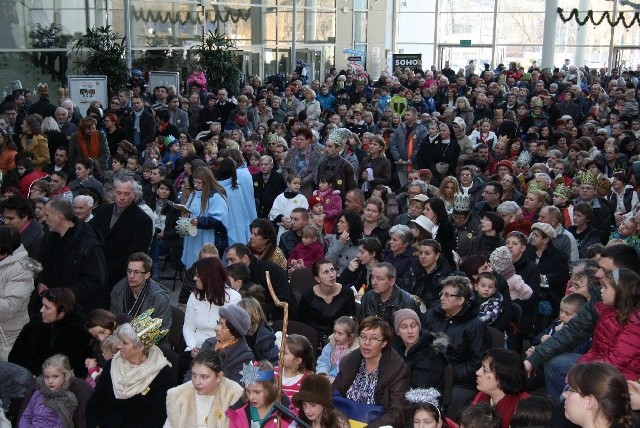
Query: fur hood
[(355, 345)]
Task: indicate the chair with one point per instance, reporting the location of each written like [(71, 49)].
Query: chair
[(295, 327), (496, 336), (177, 272), (302, 280), (176, 341)]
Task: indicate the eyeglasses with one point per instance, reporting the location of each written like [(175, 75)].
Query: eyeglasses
[(369, 339), (447, 295), (135, 272), (116, 103)]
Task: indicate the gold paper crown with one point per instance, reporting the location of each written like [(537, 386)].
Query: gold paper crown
[(43, 88), (63, 92), (148, 328), (535, 185), (563, 191), (589, 178), (604, 185), (524, 158)]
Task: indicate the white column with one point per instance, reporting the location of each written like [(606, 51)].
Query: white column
[(549, 33), (581, 36)]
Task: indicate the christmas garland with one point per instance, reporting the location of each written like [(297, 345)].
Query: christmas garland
[(605, 15), (230, 14)]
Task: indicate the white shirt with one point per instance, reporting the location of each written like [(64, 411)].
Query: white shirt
[(200, 318)]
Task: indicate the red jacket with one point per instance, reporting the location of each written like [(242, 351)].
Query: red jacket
[(308, 253), (618, 345)]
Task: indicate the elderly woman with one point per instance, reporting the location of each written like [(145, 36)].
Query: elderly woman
[(375, 374), (326, 301), (58, 330), (34, 142), (133, 385), (399, 251), (501, 382), (16, 283), (554, 268), (343, 246), (231, 329), (203, 401), (263, 242), (423, 352), (457, 317), (309, 105), (512, 216), (89, 142)]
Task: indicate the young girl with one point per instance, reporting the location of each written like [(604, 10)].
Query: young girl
[(616, 339), (256, 410), (307, 252), (341, 342), (316, 404), (331, 201), (483, 135), (298, 362), (426, 410), (152, 156), (52, 404), (254, 160), (286, 202)]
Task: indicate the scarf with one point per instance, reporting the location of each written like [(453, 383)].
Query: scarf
[(338, 353), (91, 150), (130, 379), (133, 309), (62, 401), (224, 345), (242, 121)]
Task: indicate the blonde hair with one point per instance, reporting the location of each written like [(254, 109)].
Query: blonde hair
[(58, 362), (256, 314), (110, 344)]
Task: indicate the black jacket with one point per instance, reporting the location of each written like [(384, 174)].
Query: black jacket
[(400, 299), (483, 244), (76, 261), (530, 274), (426, 359), (234, 357), (468, 339), (147, 129), (315, 312), (402, 262), (554, 263), (266, 193), (131, 233), (429, 154), (424, 285), (280, 283), (38, 341)]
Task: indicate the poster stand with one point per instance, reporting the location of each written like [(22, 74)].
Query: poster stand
[(83, 90)]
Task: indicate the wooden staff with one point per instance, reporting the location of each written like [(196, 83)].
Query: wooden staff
[(285, 322)]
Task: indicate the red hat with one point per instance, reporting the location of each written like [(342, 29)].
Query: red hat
[(506, 163), (424, 171), (314, 200)]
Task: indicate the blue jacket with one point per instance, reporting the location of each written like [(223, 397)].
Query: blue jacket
[(215, 215)]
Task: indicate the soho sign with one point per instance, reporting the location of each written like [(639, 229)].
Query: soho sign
[(406, 60)]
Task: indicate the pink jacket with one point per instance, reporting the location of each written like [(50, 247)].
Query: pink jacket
[(198, 78), (618, 345), (239, 418), (332, 203)]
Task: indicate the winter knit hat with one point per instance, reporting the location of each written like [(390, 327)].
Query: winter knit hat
[(237, 317), (405, 314), (315, 388), (461, 123), (502, 261)]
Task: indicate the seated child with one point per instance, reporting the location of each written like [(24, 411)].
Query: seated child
[(307, 252), (316, 212), (341, 342), (569, 306), (109, 347), (298, 362), (52, 404), (489, 299)]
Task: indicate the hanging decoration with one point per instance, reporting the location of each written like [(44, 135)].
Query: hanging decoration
[(608, 16), (216, 13)]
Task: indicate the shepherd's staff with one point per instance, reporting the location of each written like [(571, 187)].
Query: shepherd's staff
[(285, 322)]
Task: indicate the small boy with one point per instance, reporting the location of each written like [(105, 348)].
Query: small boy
[(489, 299), (172, 152), (310, 250), (570, 305), (240, 278), (316, 212)]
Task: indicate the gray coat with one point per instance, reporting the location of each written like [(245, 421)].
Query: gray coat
[(157, 298), (398, 145), (180, 119)]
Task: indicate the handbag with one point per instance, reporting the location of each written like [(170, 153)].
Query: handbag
[(359, 414), (5, 348)]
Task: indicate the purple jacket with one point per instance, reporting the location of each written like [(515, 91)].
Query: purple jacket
[(38, 415)]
